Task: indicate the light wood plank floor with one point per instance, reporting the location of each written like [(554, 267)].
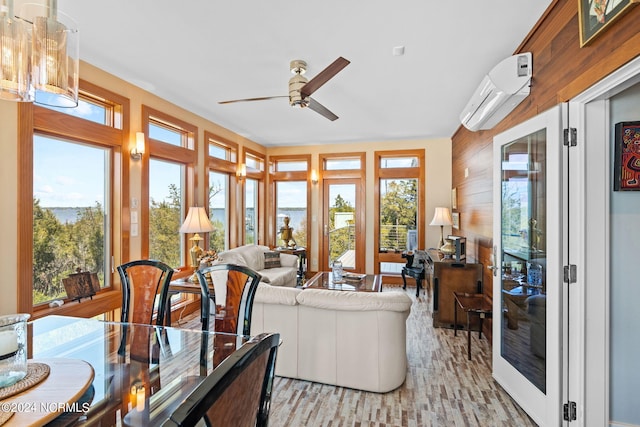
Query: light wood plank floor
[(442, 388)]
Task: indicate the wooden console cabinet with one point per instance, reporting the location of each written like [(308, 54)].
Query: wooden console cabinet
[(450, 277)]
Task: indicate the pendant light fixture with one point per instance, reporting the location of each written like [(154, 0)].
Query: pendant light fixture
[(47, 40), (55, 55), (14, 55)]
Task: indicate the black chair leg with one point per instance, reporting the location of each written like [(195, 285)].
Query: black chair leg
[(418, 286), (404, 280)]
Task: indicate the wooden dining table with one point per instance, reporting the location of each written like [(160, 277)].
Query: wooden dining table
[(126, 374)]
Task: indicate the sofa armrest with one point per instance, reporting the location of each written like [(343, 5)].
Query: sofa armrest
[(288, 260)]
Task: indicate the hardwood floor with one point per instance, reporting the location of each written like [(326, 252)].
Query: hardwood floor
[(443, 387)]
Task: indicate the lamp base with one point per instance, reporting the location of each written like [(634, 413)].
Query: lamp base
[(195, 252), (441, 242)]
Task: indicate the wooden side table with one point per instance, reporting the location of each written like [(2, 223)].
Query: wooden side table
[(417, 273), (473, 304)]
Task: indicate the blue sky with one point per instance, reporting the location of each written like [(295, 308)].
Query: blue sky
[(67, 175)]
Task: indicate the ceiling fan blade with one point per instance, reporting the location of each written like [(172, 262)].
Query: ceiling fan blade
[(324, 76), (252, 99), (321, 109)]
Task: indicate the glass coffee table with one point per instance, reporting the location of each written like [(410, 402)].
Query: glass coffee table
[(351, 282)]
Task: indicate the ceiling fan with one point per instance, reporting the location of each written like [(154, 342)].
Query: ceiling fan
[(300, 88)]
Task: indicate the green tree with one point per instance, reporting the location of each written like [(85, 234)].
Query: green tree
[(399, 203), (164, 225), (87, 236), (340, 239), (59, 249), (52, 251), (398, 211)]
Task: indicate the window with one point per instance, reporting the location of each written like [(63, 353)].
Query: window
[(291, 180), (169, 185), (343, 210), (254, 197), (399, 213), (221, 185), (69, 214), (251, 212), (342, 163), (219, 210), (253, 161), (94, 108), (221, 149), (165, 211)]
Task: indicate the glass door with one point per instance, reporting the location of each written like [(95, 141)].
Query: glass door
[(528, 259), (342, 229)]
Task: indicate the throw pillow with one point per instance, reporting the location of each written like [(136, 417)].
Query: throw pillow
[(271, 259)]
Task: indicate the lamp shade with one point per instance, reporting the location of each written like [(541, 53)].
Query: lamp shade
[(442, 216), (197, 221)]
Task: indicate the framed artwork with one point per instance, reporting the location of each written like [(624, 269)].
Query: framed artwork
[(454, 199), (455, 219), (597, 15), (626, 168)]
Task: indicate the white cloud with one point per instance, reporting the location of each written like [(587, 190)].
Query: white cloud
[(65, 180)]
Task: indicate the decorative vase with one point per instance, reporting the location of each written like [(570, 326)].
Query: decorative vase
[(448, 249), (13, 348)]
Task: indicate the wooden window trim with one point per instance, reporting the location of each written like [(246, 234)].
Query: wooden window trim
[(32, 119), (342, 173), (398, 173), (347, 174), (186, 156), (230, 168), (289, 176)]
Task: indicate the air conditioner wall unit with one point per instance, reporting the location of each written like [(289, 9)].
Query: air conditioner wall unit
[(506, 86)]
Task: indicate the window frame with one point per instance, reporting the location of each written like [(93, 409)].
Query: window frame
[(258, 175), (36, 119), (228, 167), (274, 177), (418, 173), (359, 175), (186, 155)]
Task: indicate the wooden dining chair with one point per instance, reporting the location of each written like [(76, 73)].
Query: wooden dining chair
[(231, 288), (237, 392), (145, 290), (145, 287)]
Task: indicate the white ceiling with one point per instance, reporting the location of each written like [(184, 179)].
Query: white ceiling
[(195, 53)]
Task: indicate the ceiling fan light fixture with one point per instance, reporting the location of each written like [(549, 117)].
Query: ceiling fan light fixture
[(298, 66), (296, 83)]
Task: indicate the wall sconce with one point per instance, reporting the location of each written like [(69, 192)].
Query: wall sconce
[(314, 177), (241, 173), (138, 150)]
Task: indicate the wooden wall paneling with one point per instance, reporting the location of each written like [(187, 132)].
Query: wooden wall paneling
[(561, 70)]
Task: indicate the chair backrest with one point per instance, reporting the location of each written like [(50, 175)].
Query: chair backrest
[(232, 287), (237, 392), (145, 290)]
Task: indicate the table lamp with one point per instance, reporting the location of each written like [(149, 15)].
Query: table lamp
[(196, 222), (441, 217)]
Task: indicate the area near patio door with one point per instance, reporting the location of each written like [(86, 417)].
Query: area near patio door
[(528, 209)]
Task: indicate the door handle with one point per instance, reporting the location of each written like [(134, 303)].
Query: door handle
[(493, 261), (494, 269)]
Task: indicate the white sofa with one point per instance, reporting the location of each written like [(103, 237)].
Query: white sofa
[(343, 338), (253, 257)]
